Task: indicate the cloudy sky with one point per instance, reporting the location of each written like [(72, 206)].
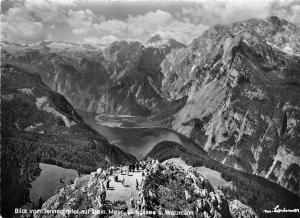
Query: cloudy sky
[(96, 21)]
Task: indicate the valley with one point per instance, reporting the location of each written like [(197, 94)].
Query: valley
[(226, 105)]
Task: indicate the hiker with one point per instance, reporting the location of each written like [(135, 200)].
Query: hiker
[(123, 180), (99, 201), (132, 201), (138, 205), (137, 184), (104, 176), (102, 192), (143, 203), (103, 196), (123, 170), (107, 184)]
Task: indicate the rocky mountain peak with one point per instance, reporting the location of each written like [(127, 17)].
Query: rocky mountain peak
[(154, 39), (276, 21), (277, 32), (166, 45), (162, 188)]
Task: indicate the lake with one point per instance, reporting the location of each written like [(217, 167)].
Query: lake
[(51, 179), (137, 141)]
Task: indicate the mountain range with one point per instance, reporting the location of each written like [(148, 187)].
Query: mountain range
[(234, 91), (243, 96)]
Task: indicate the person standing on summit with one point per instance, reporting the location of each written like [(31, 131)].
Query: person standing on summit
[(137, 184), (123, 181), (132, 201), (107, 184)]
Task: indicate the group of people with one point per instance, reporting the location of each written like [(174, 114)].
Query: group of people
[(136, 166), (103, 177)]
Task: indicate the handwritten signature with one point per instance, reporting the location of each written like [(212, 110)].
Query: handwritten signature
[(284, 210)]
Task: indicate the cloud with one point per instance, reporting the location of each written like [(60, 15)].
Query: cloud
[(25, 21), (103, 40), (31, 20), (225, 11), (142, 27), (54, 11), (287, 9), (77, 20), (112, 26), (228, 11), (19, 26), (81, 21)]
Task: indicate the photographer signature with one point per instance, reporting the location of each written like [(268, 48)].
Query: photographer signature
[(284, 210)]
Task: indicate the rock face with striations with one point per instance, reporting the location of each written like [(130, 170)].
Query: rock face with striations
[(122, 78), (243, 87)]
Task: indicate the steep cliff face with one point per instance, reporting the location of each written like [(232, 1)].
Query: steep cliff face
[(179, 73), (67, 69), (122, 78), (243, 96)]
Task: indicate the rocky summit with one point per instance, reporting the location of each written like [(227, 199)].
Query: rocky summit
[(152, 189)]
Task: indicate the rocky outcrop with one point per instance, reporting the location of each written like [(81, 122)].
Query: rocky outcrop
[(170, 190), (165, 190), (243, 102), (237, 209)]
